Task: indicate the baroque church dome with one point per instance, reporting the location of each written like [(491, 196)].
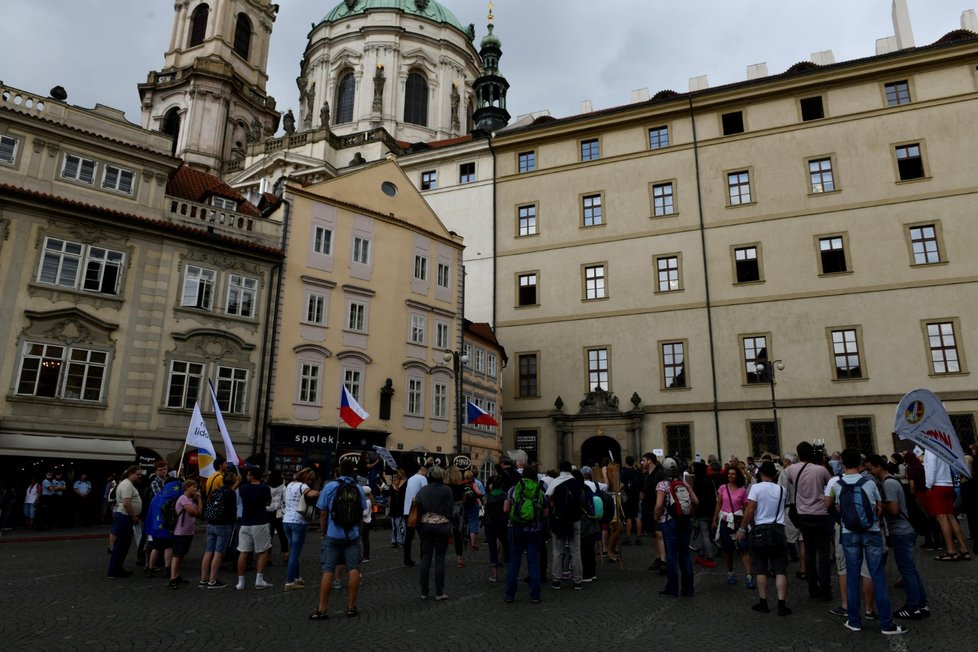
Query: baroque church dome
[(429, 9)]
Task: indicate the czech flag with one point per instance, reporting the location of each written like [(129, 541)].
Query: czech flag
[(350, 410), (479, 417)]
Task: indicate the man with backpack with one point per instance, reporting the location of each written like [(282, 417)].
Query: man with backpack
[(675, 505), (254, 537), (220, 511), (566, 497), (526, 509), (859, 507), (341, 506)]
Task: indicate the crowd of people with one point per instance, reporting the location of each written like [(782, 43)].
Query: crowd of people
[(850, 509)]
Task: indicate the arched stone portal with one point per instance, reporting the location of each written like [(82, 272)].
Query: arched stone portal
[(595, 449)]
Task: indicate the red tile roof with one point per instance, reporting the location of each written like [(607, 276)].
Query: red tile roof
[(484, 331), (198, 186)]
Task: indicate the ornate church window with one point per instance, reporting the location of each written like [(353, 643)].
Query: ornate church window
[(344, 98), (198, 25), (242, 36), (416, 100)]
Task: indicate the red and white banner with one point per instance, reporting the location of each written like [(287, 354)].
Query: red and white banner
[(922, 419)]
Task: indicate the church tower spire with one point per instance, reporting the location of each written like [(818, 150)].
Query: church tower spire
[(210, 93), (490, 89)]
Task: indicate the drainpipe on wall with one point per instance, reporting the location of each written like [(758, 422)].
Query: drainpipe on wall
[(493, 153)]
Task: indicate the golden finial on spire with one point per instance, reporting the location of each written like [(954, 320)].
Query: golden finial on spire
[(490, 12)]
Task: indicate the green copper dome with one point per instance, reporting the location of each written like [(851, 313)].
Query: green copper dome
[(429, 9)]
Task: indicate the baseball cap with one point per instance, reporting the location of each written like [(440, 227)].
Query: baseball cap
[(669, 463)]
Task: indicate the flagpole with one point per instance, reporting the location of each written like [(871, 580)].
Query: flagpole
[(183, 452)]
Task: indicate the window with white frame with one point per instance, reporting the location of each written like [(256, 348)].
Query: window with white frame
[(8, 149), (674, 365), (322, 241), (467, 353), (315, 309), (309, 377), (361, 250), (242, 292), (439, 402), (198, 287), (420, 268), (418, 325), (223, 203), (444, 275), (58, 371), (77, 168), (755, 351), (480, 360), (492, 367), (357, 317), (353, 381), (415, 397), (118, 179), (232, 390), (183, 389), (597, 369), (63, 260), (943, 346), (441, 335)]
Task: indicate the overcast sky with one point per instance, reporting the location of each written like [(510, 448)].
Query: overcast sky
[(556, 53)]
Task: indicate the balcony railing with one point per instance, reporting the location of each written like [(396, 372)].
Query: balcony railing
[(224, 222)]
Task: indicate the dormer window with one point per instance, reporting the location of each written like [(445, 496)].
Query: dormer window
[(224, 203)]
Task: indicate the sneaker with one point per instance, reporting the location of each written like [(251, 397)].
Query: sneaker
[(555, 585), (839, 611), (907, 613), (895, 631), (924, 611), (293, 586), (300, 581), (750, 583), (202, 584), (532, 600), (337, 585), (173, 584), (852, 627), (869, 615), (588, 580), (440, 597), (424, 596), (239, 587), (578, 586), (216, 584), (262, 584), (731, 579)]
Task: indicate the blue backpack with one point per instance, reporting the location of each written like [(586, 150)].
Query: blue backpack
[(855, 509)]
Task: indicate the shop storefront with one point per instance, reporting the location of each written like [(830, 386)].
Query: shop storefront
[(295, 447)]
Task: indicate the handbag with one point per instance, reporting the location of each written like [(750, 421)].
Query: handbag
[(306, 508), (792, 509), (762, 536), (414, 515)]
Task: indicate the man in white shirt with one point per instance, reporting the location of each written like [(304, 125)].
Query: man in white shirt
[(414, 485), (939, 503), (768, 544)]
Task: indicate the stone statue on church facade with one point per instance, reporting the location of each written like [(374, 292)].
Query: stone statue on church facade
[(288, 123)]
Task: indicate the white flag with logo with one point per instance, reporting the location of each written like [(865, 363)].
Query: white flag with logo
[(232, 456), (199, 440), (922, 419)]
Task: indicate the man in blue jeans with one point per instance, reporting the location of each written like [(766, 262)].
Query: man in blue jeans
[(868, 543), (903, 538), (525, 535)]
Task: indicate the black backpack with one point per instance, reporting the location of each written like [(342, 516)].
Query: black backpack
[(567, 507), (168, 514), (217, 511), (495, 498), (346, 510)]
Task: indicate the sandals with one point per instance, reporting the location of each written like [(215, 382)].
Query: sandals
[(319, 615), (352, 612), (947, 556), (964, 556)]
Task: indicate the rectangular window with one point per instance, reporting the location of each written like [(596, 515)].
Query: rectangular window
[(467, 354), (820, 175), (466, 172), (662, 200), (85, 374), (118, 179), (910, 164), (429, 180), (738, 187), (78, 169), (480, 360), (747, 264), (845, 352), (832, 255), (418, 325), (441, 335), (439, 403), (597, 369), (223, 203), (667, 271), (40, 371), (924, 245), (764, 438), (54, 371), (857, 432), (591, 206), (8, 149), (528, 375), (444, 275), (527, 162), (232, 389), (590, 150), (733, 123), (186, 379), (490, 407), (527, 220), (309, 375), (353, 381), (198, 287), (811, 108), (322, 241), (357, 317), (942, 342), (361, 250), (679, 441), (594, 282), (242, 293), (897, 93), (755, 351), (491, 369), (420, 268), (103, 270), (674, 365), (316, 309), (527, 290), (964, 426), (658, 137), (415, 400), (62, 260)]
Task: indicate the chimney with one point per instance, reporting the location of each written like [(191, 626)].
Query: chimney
[(886, 45), (902, 29), (969, 20), (756, 71), (823, 58), (639, 95), (586, 106), (698, 83)]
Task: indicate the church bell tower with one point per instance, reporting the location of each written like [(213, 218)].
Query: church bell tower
[(490, 89)]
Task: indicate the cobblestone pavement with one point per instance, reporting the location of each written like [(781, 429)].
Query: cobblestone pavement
[(55, 596)]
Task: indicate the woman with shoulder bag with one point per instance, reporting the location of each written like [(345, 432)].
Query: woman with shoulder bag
[(435, 506), (727, 518), (295, 523)]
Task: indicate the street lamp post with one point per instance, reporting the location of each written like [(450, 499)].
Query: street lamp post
[(458, 360), (779, 365)]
